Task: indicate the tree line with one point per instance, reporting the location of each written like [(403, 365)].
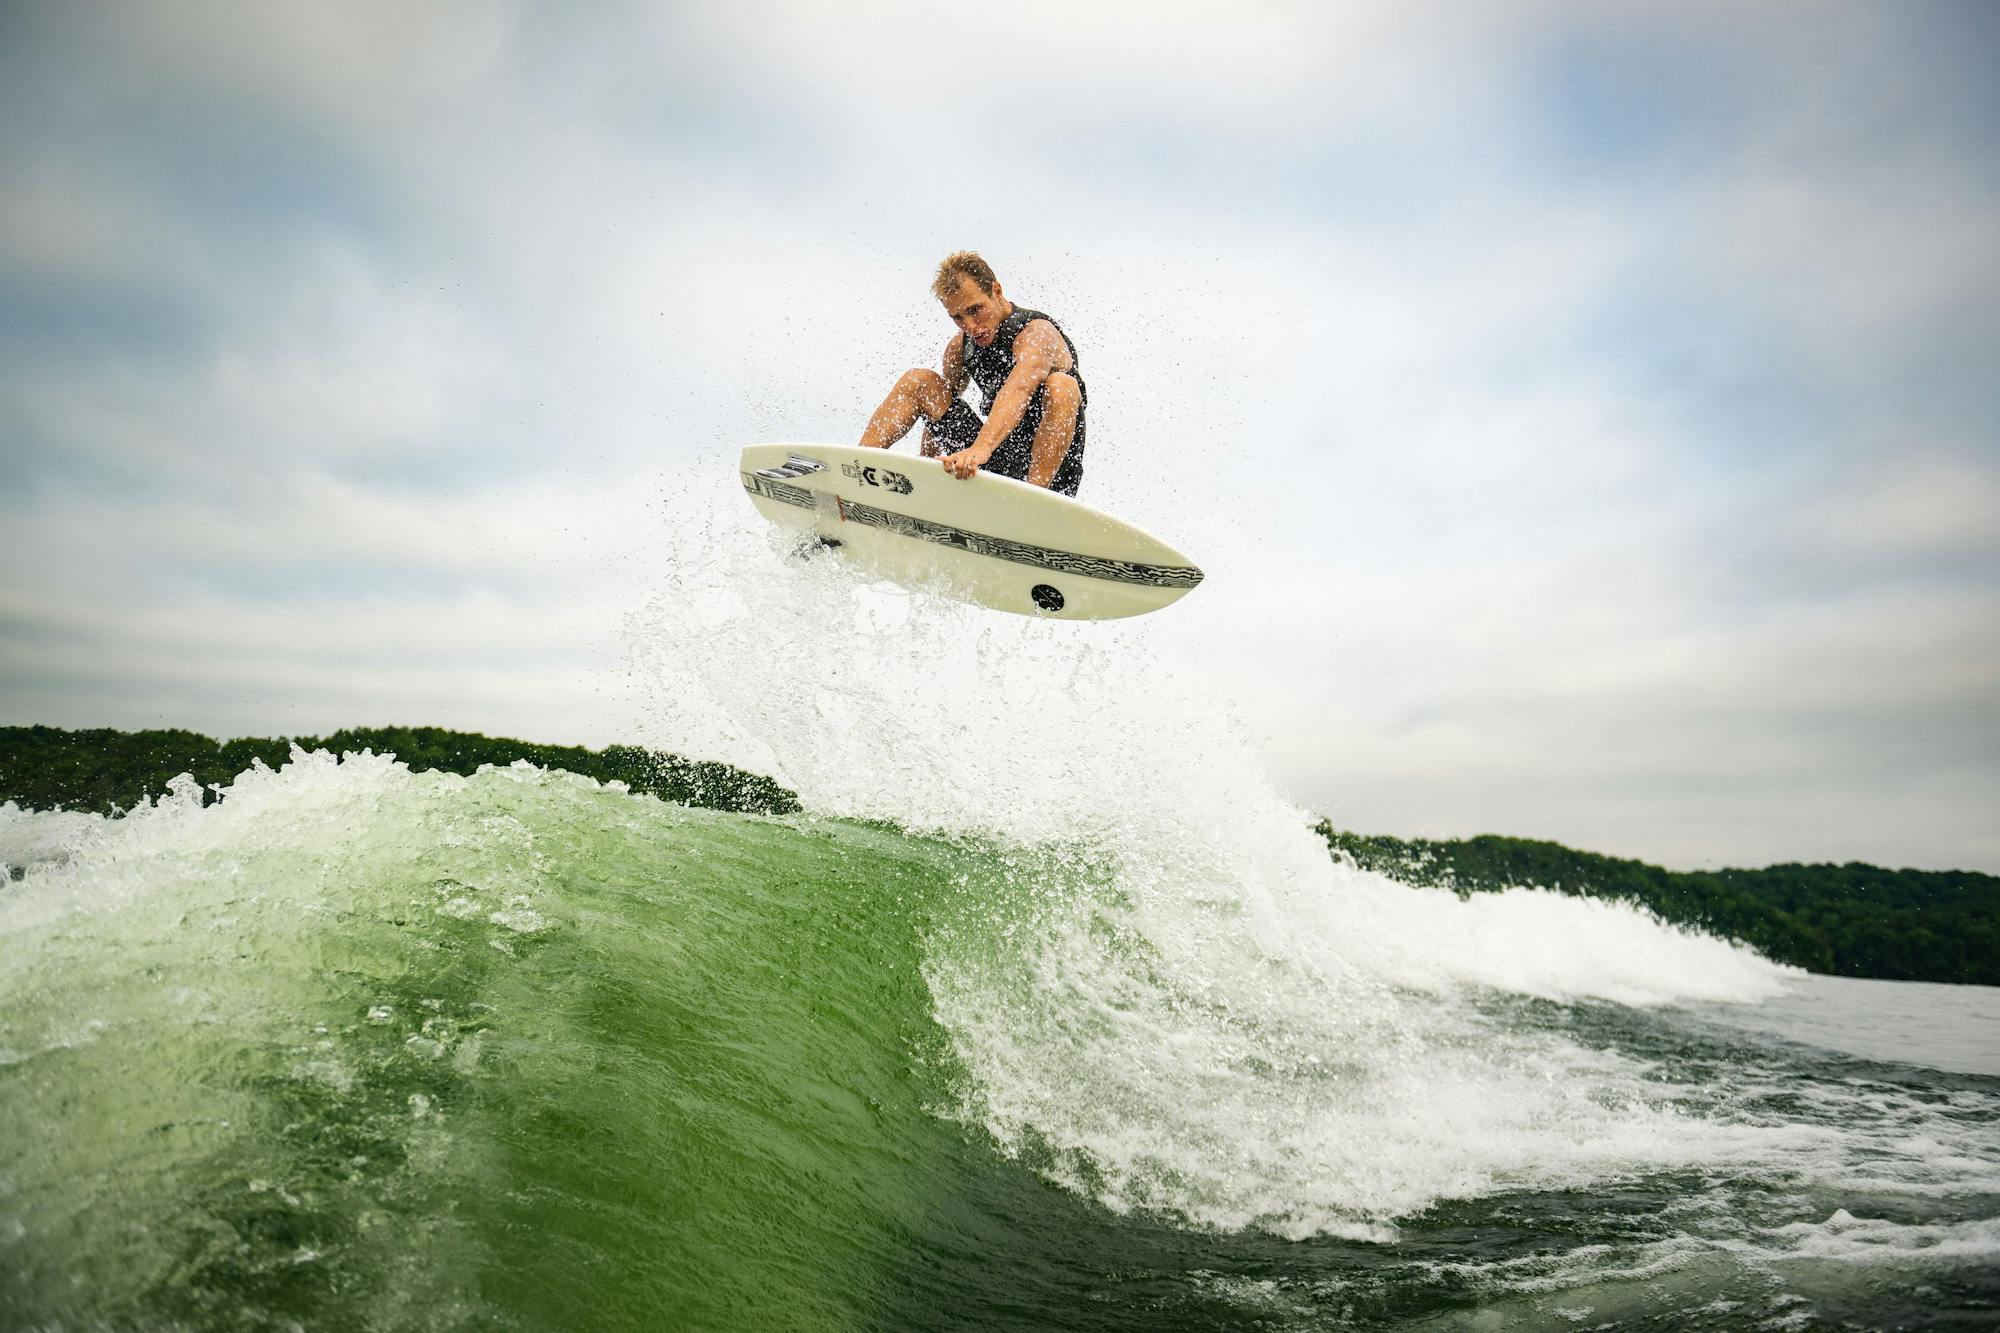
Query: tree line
[(1852, 920), (105, 771)]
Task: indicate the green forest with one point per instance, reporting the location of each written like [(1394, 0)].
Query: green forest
[(45, 768), (1853, 920)]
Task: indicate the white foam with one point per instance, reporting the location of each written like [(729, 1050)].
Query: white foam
[(100, 864), (1850, 1239), (1837, 1243), (42, 837), (876, 702), (1197, 1008), (88, 863)]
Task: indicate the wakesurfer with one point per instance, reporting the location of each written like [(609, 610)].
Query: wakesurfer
[(1025, 367)]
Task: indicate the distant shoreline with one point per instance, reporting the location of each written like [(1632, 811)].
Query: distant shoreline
[(104, 771), (1850, 920)]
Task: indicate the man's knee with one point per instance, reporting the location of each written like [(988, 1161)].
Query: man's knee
[(926, 388)]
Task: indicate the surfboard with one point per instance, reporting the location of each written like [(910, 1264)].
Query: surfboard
[(987, 539)]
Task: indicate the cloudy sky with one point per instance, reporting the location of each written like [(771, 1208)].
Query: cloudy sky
[(1588, 414)]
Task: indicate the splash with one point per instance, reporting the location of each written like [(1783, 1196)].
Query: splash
[(1177, 1000)]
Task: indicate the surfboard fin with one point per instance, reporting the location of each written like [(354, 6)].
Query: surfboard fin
[(813, 544)]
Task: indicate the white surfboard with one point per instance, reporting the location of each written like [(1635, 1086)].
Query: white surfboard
[(987, 539)]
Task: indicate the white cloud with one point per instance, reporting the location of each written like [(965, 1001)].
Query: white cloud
[(407, 461), (1915, 506)]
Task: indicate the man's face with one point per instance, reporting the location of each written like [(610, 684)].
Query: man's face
[(977, 315)]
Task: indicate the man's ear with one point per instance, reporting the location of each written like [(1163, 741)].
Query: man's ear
[(996, 291)]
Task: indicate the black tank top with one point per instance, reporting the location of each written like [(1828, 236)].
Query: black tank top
[(990, 366)]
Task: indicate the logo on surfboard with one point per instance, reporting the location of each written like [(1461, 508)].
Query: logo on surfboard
[(879, 476)]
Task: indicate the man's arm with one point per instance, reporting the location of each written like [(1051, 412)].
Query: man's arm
[(955, 377), (1038, 350)]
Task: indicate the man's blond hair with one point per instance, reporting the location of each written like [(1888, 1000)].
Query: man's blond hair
[(964, 266)]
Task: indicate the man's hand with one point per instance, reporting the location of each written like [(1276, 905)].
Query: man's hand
[(966, 461)]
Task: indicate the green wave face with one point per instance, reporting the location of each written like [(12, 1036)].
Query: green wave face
[(356, 1048), (361, 1048)]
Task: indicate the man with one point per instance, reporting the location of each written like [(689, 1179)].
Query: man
[(1024, 365)]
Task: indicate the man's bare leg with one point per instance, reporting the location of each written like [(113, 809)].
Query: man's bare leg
[(1061, 400), (920, 393)]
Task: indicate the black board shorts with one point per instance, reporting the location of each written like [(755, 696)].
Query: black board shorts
[(959, 428)]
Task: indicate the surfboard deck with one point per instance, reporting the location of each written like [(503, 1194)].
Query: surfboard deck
[(989, 540)]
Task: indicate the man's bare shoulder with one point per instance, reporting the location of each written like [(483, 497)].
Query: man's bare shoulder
[(1041, 337)]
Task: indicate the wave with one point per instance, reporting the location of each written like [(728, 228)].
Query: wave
[(432, 1050), (521, 1047), (1178, 1000)]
